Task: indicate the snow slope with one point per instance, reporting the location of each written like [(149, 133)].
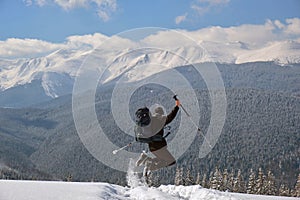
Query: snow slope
[(37, 190), (282, 52)]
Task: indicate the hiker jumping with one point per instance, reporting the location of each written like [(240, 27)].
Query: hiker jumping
[(150, 129)]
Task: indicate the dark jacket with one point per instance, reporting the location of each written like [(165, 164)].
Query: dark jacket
[(154, 146)]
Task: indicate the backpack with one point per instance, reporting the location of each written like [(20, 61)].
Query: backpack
[(139, 137), (142, 117)]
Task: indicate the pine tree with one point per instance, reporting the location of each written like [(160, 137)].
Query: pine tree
[(239, 185), (69, 178), (189, 180), (224, 186), (292, 193), (251, 183), (216, 180), (284, 190), (297, 187), (210, 178), (204, 183), (179, 176), (260, 182), (270, 187), (198, 179), (213, 181), (230, 181)]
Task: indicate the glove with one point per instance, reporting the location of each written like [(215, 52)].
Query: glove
[(177, 103)]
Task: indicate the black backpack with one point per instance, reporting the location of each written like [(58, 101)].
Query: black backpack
[(140, 138), (142, 117)]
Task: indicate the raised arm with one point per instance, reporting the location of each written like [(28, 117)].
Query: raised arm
[(172, 115)]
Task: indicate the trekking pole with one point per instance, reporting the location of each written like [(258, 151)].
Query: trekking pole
[(120, 149), (189, 116)]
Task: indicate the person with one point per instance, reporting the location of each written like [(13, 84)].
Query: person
[(150, 129)]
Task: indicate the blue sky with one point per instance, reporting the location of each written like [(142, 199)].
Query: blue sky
[(54, 21)]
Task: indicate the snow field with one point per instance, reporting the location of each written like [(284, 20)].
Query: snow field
[(47, 190)]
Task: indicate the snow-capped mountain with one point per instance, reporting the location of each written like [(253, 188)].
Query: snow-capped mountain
[(54, 70), (30, 81), (54, 73), (281, 52)]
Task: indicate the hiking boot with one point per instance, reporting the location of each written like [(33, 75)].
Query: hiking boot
[(142, 159)]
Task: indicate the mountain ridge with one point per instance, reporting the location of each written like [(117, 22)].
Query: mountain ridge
[(57, 71)]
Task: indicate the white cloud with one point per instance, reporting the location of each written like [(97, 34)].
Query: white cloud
[(77, 41), (14, 47), (279, 24), (166, 39), (293, 26), (180, 19), (38, 2), (41, 2), (103, 15), (255, 36), (201, 7), (104, 8), (201, 10), (71, 4), (204, 6), (252, 34), (28, 2), (214, 2)]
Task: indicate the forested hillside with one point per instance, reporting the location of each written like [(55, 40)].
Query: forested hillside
[(261, 130)]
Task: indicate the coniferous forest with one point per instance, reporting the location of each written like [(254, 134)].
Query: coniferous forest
[(259, 182)]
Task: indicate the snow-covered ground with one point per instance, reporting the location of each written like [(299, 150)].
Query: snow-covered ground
[(45, 190)]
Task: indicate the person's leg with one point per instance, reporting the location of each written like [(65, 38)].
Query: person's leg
[(164, 154), (163, 159), (142, 159)]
